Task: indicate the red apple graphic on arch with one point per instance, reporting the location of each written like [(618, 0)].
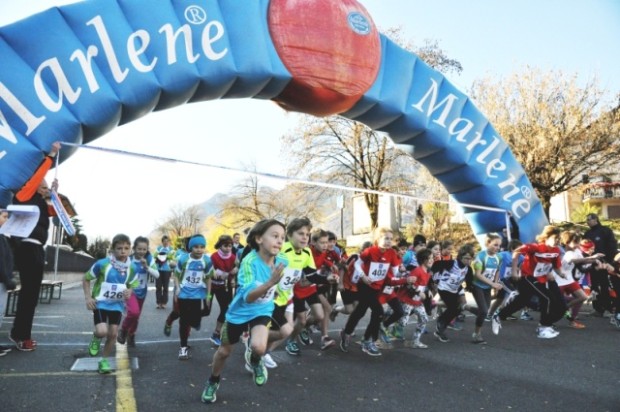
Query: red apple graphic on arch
[(332, 49)]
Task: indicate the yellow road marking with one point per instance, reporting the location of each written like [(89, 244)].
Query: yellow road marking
[(125, 399)]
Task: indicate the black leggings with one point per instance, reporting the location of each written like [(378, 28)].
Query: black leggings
[(224, 297), (453, 308), (397, 312), (367, 298), (552, 302)]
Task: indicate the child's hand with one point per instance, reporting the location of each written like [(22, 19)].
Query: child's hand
[(276, 274)]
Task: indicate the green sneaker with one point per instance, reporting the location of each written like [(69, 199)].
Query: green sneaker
[(93, 347), (104, 366), (208, 395), (167, 329), (260, 373)]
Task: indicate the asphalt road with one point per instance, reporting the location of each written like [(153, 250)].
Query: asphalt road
[(516, 371)]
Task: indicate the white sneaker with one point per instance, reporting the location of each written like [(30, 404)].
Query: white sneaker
[(547, 333), (418, 345), (183, 353), (496, 324), (269, 362)]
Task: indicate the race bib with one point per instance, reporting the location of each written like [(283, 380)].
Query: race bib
[(489, 274), (142, 278), (378, 271), (268, 296), (193, 279), (357, 274), (111, 292), (289, 278), (507, 272), (542, 269)]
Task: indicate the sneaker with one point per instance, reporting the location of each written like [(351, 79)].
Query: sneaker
[(345, 341), (269, 362), (398, 332), (456, 325), (183, 353), (122, 336), (5, 349), (441, 336), (313, 329), (616, 320), (526, 316), (104, 366), (510, 317), (478, 339), (576, 325), (93, 347), (327, 342), (496, 324), (488, 318), (370, 348), (2, 353), (384, 334), (547, 333), (131, 341), (416, 344), (215, 338), (247, 355), (167, 329), (304, 338), (208, 395), (332, 315), (292, 348), (260, 373)]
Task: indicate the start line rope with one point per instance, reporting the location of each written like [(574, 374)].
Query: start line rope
[(287, 178)]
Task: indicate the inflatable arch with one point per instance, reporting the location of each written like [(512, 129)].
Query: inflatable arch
[(80, 70)]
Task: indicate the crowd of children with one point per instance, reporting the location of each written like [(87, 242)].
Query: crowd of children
[(286, 281)]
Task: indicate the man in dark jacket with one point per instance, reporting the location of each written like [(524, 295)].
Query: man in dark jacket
[(6, 274), (604, 242)]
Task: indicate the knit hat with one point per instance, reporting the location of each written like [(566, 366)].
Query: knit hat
[(195, 241)]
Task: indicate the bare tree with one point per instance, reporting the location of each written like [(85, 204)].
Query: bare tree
[(251, 202), (557, 129), (339, 150), (182, 222)]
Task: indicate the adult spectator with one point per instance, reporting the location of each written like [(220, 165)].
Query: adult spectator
[(237, 246), (6, 274), (604, 242), (30, 253), (164, 258)]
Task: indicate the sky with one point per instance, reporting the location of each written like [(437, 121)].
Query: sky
[(488, 37)]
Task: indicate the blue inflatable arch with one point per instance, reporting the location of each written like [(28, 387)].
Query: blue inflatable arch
[(76, 72)]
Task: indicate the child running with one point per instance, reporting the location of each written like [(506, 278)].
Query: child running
[(413, 296), (541, 260), (144, 265), (449, 276), (572, 260), (486, 277), (223, 276), (300, 264), (114, 277), (375, 263), (192, 285), (252, 305)]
